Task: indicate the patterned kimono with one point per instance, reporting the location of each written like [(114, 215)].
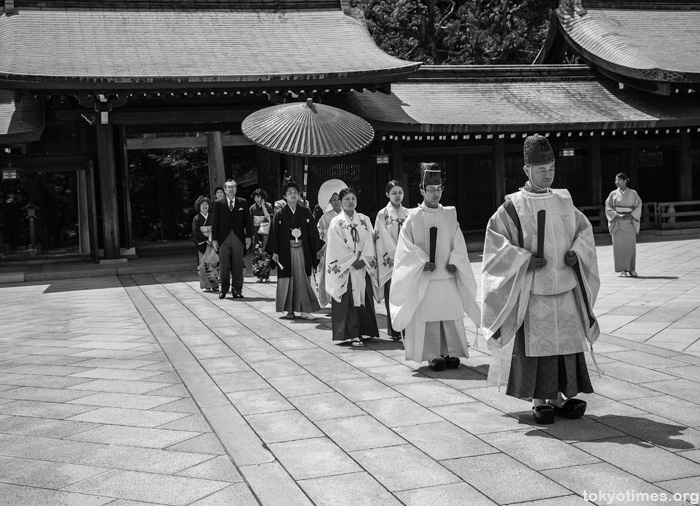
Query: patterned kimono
[(624, 210), (386, 234), (352, 290), (546, 314), (208, 265)]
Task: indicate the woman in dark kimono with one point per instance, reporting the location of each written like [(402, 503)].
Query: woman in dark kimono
[(201, 234), (294, 243), (261, 213)]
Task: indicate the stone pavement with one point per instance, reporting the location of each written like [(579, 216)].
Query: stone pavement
[(143, 390)]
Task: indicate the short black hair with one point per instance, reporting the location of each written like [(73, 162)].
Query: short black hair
[(622, 176), (219, 188), (261, 192), (288, 185)]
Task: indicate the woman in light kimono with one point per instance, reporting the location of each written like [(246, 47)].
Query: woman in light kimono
[(329, 201), (386, 233), (623, 208), (351, 272)]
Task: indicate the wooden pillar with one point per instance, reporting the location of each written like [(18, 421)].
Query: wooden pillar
[(634, 162), (92, 209), (685, 167), (596, 170), (108, 190), (215, 153), (126, 201), (499, 164), (83, 215)]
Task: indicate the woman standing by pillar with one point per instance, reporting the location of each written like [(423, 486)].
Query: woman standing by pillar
[(386, 233), (623, 208)]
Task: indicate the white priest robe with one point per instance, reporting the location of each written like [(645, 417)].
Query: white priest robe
[(420, 297), (386, 234), (555, 303), (343, 248)]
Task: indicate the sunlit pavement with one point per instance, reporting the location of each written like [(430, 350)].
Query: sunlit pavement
[(142, 389)]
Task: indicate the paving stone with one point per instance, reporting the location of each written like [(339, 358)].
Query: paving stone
[(398, 412), (240, 381), (310, 356), (15, 495), (368, 359), (148, 487), (120, 386), (195, 423), (488, 473), (304, 384), (120, 400), (477, 418), (180, 406), (594, 478), (43, 394), (656, 430), (274, 486), (325, 406), (34, 380), (119, 364), (37, 473), (640, 459), (218, 468), (237, 494), (43, 427), (359, 433), (334, 371), (443, 440), (283, 426), (131, 417), (644, 359), (363, 389), (278, 368), (313, 458), (288, 343), (224, 365), (349, 490), (538, 450), (397, 374), (685, 489), (446, 494), (259, 401), (403, 467), (47, 370), (134, 436), (42, 409), (433, 394), (205, 443), (170, 391), (116, 374), (622, 390)]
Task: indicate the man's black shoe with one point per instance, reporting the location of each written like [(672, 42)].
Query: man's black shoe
[(222, 295), (237, 295)]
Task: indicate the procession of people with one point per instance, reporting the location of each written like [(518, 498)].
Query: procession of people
[(538, 286)]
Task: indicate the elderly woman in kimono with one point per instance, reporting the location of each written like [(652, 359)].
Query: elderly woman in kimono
[(623, 208), (539, 285), (351, 273), (386, 233), (329, 200)]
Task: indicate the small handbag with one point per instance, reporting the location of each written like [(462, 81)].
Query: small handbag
[(264, 228)]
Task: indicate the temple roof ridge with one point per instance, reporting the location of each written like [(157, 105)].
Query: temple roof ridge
[(274, 5)]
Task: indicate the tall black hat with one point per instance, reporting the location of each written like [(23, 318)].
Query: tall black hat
[(430, 174), (537, 150)]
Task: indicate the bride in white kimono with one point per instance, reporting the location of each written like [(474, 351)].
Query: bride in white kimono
[(623, 208), (351, 273)]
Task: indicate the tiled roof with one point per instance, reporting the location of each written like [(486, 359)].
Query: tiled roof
[(642, 39), (21, 121), (147, 48), (517, 99)]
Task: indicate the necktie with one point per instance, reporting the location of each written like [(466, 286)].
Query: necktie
[(230, 205)]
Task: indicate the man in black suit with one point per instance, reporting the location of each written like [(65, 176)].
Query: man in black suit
[(231, 226)]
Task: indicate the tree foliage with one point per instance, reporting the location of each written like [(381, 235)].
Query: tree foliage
[(452, 32)]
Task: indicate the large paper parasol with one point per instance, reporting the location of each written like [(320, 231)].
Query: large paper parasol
[(307, 129)]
